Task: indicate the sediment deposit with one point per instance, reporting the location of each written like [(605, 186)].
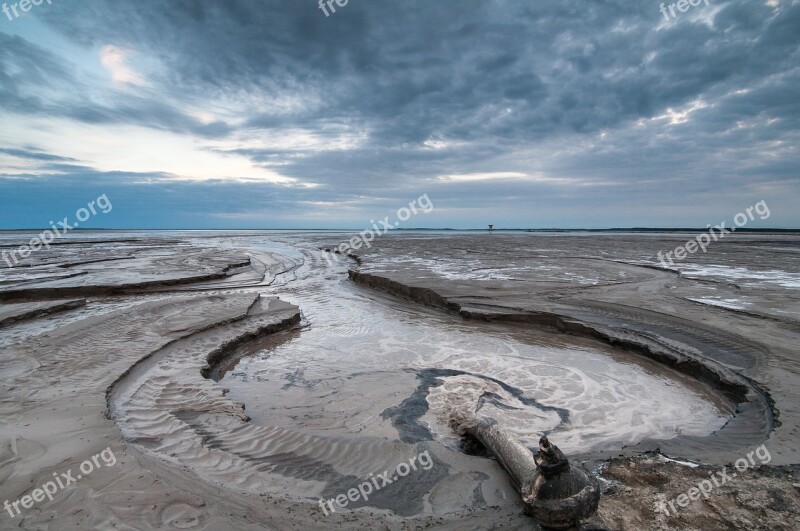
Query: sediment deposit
[(240, 379)]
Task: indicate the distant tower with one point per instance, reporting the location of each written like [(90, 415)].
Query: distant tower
[(491, 228)]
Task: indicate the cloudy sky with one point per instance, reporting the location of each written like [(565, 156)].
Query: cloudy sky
[(270, 114)]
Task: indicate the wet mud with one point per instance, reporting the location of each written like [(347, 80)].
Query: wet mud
[(242, 378)]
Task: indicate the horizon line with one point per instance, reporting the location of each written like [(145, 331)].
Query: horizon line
[(400, 229)]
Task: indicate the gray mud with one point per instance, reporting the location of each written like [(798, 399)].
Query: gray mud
[(154, 345)]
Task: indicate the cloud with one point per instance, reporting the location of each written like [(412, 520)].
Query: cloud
[(501, 175), (521, 103), (114, 59), (506, 176)]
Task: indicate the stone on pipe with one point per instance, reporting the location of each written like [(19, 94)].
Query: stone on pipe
[(561, 496)]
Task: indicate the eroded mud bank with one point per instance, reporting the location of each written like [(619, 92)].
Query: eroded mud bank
[(754, 418)]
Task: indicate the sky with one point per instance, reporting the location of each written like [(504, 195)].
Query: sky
[(279, 114)]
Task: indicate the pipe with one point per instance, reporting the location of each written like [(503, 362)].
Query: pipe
[(557, 495)]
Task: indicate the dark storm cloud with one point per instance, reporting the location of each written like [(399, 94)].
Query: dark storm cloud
[(440, 67), (452, 87)]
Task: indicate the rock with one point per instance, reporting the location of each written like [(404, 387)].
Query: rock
[(561, 496)]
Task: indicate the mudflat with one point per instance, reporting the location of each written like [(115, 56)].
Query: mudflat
[(241, 381)]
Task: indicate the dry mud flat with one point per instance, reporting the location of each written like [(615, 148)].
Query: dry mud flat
[(108, 345)]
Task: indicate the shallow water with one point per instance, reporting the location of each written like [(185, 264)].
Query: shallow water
[(369, 365)]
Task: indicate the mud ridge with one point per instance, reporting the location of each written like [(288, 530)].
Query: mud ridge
[(25, 311), (109, 290)]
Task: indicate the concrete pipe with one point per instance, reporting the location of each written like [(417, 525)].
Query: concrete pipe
[(557, 495)]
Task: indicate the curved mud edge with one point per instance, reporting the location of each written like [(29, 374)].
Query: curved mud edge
[(13, 313), (753, 421), (33, 293), (224, 352), (217, 355)]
